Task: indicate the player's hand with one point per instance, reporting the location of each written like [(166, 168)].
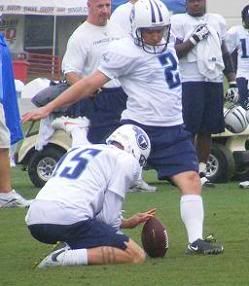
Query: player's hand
[(139, 218), (200, 33), (232, 93), (37, 114)]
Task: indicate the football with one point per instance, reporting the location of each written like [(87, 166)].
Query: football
[(154, 238)]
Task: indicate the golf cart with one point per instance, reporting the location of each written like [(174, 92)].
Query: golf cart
[(40, 164), (229, 158)]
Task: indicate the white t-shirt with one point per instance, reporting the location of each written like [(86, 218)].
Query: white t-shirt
[(151, 81), (238, 38), (82, 182), (121, 17), (86, 46), (182, 26)]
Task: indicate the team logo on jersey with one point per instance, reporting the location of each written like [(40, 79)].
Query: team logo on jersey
[(142, 141)]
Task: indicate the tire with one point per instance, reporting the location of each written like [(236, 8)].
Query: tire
[(242, 165), (220, 165), (42, 163)]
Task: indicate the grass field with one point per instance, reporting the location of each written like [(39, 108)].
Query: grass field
[(227, 216)]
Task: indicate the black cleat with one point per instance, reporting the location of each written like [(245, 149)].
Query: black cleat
[(204, 247)]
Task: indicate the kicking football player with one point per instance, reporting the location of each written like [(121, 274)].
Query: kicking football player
[(147, 67), (81, 204)]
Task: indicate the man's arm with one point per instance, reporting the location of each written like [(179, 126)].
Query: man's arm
[(229, 70), (232, 93), (84, 88), (137, 219), (183, 48), (199, 34)]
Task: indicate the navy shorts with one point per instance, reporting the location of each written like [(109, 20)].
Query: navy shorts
[(172, 150), (203, 107), (242, 84), (108, 106), (84, 234), (104, 112)]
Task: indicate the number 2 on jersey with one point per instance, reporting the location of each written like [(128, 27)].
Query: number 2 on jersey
[(169, 63), (79, 160)]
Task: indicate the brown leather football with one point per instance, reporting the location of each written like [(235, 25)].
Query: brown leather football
[(154, 238)]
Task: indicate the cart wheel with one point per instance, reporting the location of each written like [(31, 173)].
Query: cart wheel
[(220, 165), (42, 164)]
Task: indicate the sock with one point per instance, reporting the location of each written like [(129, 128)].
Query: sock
[(192, 214), (202, 167), (73, 257), (79, 136), (8, 195)]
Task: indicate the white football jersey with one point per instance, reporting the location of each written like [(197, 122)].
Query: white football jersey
[(151, 81), (86, 46), (121, 17), (183, 25), (81, 181), (238, 38)]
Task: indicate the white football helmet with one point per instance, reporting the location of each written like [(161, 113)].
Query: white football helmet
[(235, 119), (134, 140), (150, 14)]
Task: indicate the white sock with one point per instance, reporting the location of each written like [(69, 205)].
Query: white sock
[(202, 167), (73, 257), (192, 214), (79, 136), (7, 195)]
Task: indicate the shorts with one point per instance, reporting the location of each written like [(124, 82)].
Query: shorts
[(172, 150), (203, 107), (83, 234), (242, 84), (4, 131), (108, 106)]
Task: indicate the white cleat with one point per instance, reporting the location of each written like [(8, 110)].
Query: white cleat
[(52, 259), (143, 187), (68, 124), (13, 199)]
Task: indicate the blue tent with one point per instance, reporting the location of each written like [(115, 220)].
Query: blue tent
[(176, 6)]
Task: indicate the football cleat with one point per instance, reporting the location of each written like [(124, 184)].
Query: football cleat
[(68, 124), (13, 199), (52, 259), (143, 187), (204, 247)]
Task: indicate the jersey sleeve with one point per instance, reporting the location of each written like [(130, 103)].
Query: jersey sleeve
[(126, 173), (231, 39), (177, 27), (223, 26), (111, 211), (74, 58), (115, 64)]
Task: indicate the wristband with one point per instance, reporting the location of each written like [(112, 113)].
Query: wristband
[(193, 41), (232, 84)]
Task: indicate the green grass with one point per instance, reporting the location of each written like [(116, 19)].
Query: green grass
[(227, 216)]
